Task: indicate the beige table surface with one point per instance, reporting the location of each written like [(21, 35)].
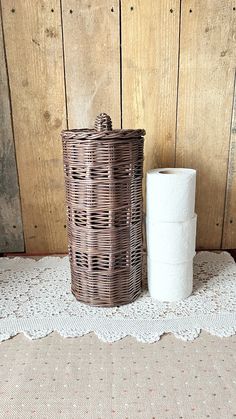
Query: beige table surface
[(83, 377)]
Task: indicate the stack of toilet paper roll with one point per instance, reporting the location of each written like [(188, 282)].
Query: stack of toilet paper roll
[(171, 232)]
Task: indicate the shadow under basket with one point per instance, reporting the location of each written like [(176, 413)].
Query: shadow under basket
[(103, 179)]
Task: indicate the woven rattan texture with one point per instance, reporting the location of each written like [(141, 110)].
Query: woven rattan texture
[(93, 134), (103, 178)]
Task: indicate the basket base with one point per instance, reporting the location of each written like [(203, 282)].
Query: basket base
[(96, 303)]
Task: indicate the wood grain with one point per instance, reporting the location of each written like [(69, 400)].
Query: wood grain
[(11, 232), (35, 61), (229, 233), (150, 85), (206, 77), (92, 60), (150, 40)]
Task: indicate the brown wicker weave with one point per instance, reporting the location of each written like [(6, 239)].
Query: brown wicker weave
[(103, 176)]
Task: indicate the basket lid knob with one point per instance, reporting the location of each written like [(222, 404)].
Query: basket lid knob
[(103, 122)]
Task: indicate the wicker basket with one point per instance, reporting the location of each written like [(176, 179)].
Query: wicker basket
[(103, 177)]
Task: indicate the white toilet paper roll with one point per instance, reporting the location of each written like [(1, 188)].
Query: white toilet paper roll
[(170, 282), (171, 194), (171, 242)]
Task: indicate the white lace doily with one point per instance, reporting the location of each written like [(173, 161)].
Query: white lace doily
[(35, 299)]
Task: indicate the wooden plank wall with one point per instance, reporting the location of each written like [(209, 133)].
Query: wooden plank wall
[(150, 46), (206, 84), (11, 232), (33, 40), (229, 231), (164, 65), (92, 60)]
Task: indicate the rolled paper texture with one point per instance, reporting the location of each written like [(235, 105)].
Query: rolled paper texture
[(170, 282), (171, 232), (171, 194), (171, 242)]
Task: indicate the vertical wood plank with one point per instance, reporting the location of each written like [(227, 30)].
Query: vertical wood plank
[(92, 60), (11, 233), (206, 77), (229, 233), (150, 44), (35, 60)]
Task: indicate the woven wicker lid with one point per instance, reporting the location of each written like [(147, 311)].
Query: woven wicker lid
[(102, 130)]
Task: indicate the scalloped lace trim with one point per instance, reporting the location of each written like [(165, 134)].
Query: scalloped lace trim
[(35, 299)]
